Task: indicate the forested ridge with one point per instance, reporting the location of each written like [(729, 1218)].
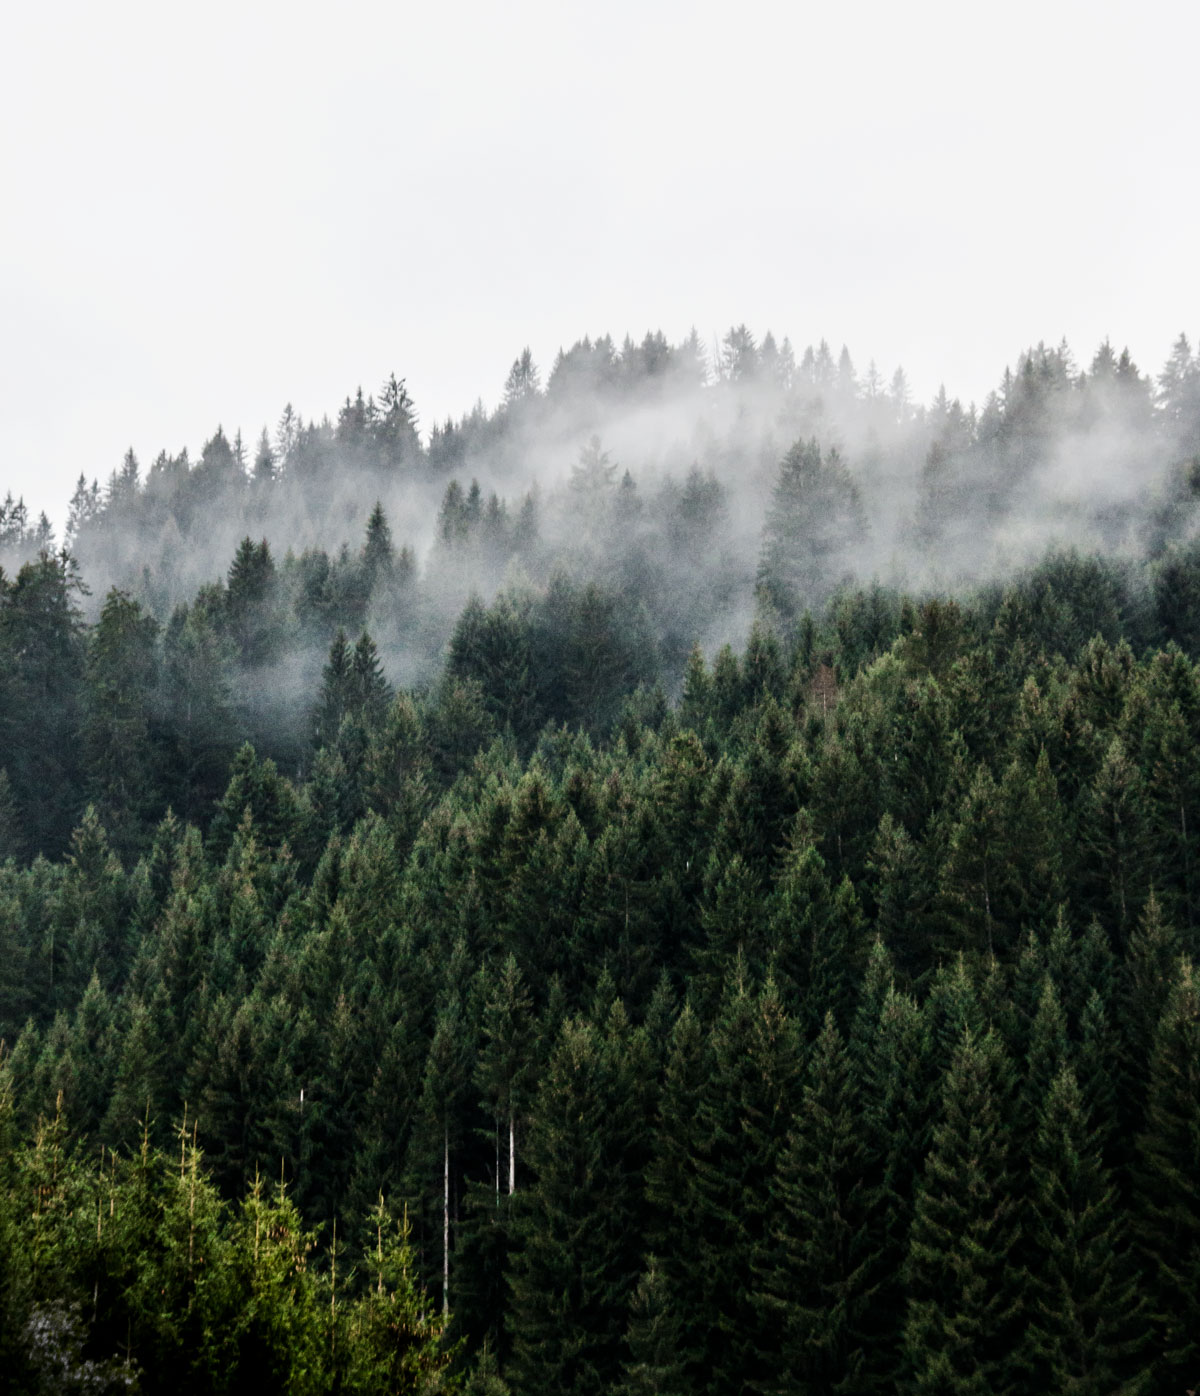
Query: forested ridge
[(717, 918)]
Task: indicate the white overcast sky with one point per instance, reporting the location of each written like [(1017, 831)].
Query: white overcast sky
[(209, 210)]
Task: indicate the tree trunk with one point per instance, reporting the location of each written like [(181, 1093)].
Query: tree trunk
[(446, 1220)]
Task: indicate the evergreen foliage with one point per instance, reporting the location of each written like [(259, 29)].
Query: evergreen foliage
[(529, 971)]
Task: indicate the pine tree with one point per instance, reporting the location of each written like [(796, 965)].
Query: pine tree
[(10, 827), (395, 1341), (398, 770), (653, 1366), (820, 1281), (504, 1066), (523, 383), (892, 1056), (1114, 837), (1146, 980), (335, 699), (721, 1217), (816, 516), (573, 1276), (440, 1114), (595, 474), (378, 556), (1045, 1057), (964, 1299), (1167, 1178), (732, 921), (197, 688), (265, 471), (669, 1172), (1082, 1307), (250, 601), (119, 706), (42, 650)]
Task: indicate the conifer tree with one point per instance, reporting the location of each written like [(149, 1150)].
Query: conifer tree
[(10, 825), (1167, 1180), (731, 919), (668, 1174), (900, 882), (447, 1075), (1045, 1057), (653, 1366), (335, 698), (573, 1276), (963, 1321), (819, 1277), (891, 1051), (816, 514), (369, 690), (197, 689), (1085, 1319), (721, 1218), (1115, 842), (119, 703), (1148, 974), (378, 556), (250, 603), (505, 1062)]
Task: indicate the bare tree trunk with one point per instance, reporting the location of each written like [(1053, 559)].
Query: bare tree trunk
[(512, 1153), (446, 1220)]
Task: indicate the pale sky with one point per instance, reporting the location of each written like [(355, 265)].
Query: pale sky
[(209, 211)]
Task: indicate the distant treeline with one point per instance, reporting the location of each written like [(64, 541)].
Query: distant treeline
[(654, 469)]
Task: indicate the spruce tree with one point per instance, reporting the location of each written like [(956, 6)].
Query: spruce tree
[(818, 1278), (653, 1365), (891, 1051), (743, 1113), (572, 1278), (119, 702), (1085, 1320), (962, 1329), (1167, 1184)]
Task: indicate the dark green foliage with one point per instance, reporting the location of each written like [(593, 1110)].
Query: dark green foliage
[(1168, 1181), (806, 1015), (707, 1181), (816, 513), (492, 649), (198, 700), (654, 1366), (890, 1050), (119, 737), (43, 655), (964, 1306), (819, 1278), (1085, 1319), (574, 1272), (250, 600)]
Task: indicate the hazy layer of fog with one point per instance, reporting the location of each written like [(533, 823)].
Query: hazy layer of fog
[(655, 471), (211, 210)]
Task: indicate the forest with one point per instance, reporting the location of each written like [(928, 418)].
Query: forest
[(686, 882)]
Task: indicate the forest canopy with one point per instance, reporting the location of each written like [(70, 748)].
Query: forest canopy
[(684, 883)]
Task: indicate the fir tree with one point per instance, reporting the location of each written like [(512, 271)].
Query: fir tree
[(964, 1301), (820, 1282), (1168, 1183), (1084, 1317), (573, 1276)]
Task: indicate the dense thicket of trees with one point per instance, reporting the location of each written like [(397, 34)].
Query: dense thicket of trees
[(817, 1016)]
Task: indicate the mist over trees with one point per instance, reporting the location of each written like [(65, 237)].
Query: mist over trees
[(685, 883)]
